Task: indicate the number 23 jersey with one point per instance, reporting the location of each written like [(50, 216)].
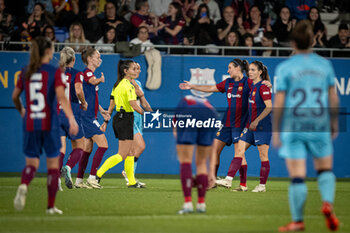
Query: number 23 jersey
[(305, 79)]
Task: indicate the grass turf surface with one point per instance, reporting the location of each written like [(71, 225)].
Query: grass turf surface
[(115, 208)]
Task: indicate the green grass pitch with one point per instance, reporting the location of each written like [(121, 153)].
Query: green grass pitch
[(115, 208)]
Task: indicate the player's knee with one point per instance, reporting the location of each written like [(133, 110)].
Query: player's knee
[(264, 156)]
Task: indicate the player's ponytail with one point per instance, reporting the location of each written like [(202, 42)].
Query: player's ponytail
[(37, 51), (67, 55), (122, 65), (264, 75)]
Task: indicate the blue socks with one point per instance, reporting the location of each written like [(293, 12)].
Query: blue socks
[(297, 197), (326, 185)]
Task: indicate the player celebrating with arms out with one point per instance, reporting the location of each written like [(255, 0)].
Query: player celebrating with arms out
[(42, 84), (301, 115)]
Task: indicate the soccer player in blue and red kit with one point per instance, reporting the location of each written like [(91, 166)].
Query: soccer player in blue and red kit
[(194, 109), (303, 124), (42, 84), (75, 93), (258, 128), (91, 57)]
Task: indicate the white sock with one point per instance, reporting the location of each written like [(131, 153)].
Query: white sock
[(229, 178), (92, 177), (79, 181)]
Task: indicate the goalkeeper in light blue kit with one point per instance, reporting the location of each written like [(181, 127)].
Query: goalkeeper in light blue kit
[(305, 120)]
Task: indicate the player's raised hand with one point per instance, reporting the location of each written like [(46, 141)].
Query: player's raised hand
[(186, 85), (102, 77)]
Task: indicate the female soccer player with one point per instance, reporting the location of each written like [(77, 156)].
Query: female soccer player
[(125, 102), (42, 84), (91, 57), (258, 131), (306, 91), (186, 138), (237, 89), (74, 92)]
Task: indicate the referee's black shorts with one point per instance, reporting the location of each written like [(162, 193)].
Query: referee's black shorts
[(123, 125)]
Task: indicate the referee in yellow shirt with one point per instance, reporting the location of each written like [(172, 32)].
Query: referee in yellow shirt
[(124, 99)]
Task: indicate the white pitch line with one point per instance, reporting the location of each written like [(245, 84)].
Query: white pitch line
[(140, 217)]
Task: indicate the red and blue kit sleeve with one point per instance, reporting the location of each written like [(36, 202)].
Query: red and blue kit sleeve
[(136, 20), (79, 77), (60, 79), (250, 83), (265, 92), (88, 75), (221, 86)]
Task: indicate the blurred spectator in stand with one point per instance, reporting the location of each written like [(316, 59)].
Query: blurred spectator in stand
[(142, 17), (241, 8), (49, 32), (37, 21), (6, 22), (214, 9), (283, 26), (320, 31), (124, 8), (232, 40), (142, 38), (66, 12), (19, 14), (267, 41), (341, 40), (256, 25), (174, 23), (203, 27), (188, 9), (159, 7), (300, 8), (227, 24), (46, 3), (122, 27), (109, 37), (91, 23), (248, 41), (76, 35)]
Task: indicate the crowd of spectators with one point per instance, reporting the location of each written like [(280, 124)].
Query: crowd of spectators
[(231, 23)]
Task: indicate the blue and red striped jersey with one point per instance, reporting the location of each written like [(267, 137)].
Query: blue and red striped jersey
[(73, 76), (259, 93), (237, 93), (40, 97), (91, 94)]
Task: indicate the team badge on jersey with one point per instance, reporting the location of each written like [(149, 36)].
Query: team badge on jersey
[(202, 77), (240, 88), (253, 93)]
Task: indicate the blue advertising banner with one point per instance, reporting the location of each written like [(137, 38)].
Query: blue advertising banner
[(159, 156)]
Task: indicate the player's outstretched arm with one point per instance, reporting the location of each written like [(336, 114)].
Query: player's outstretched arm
[(17, 101), (61, 98), (186, 85)]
